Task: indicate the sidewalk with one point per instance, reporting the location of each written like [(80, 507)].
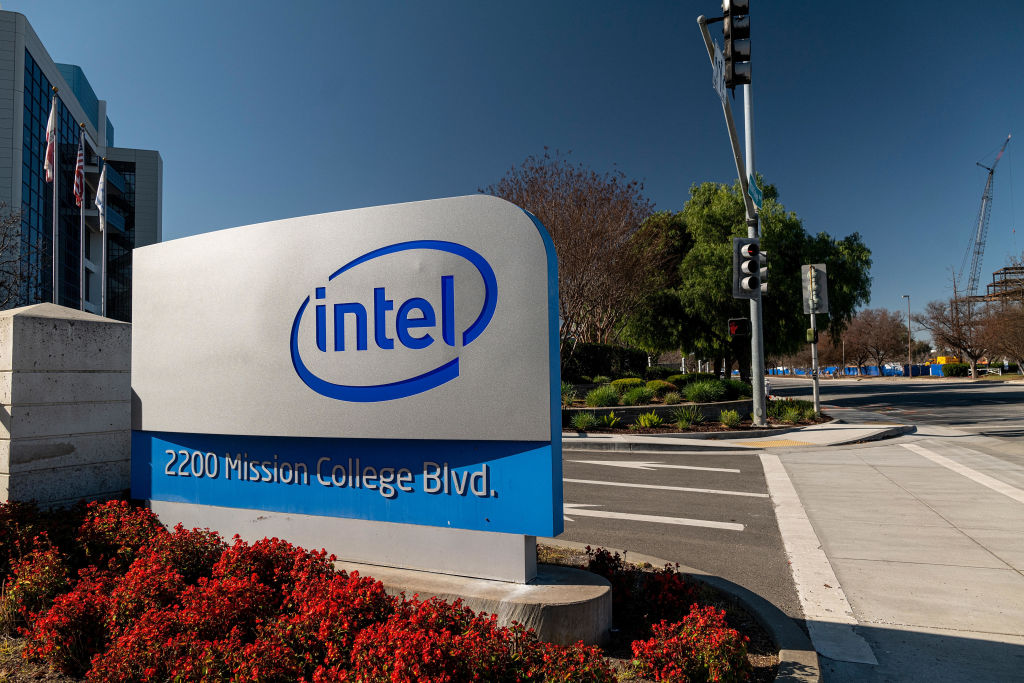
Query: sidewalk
[(926, 540)]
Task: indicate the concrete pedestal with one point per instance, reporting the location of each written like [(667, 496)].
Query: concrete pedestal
[(65, 405), (562, 604)]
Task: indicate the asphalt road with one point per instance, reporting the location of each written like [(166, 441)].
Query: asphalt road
[(987, 409), (684, 526), (988, 415)]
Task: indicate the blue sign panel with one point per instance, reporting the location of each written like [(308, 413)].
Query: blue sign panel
[(497, 486)]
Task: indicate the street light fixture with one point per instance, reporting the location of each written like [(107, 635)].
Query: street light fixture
[(910, 368)]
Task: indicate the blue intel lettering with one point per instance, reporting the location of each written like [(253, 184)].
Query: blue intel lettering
[(414, 314), (413, 324)]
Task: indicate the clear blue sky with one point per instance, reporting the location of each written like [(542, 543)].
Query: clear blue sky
[(869, 117)]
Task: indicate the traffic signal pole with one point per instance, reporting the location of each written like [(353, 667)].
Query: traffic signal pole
[(756, 338)]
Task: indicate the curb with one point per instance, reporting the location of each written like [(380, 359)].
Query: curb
[(572, 442), (798, 661), (888, 433)]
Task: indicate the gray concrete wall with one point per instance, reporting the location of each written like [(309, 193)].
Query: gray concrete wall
[(65, 405)]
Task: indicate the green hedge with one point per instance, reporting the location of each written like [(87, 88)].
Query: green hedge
[(626, 383), (956, 370), (659, 372), (602, 359)]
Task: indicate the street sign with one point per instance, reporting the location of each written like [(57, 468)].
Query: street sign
[(754, 191), (815, 288), (718, 74)]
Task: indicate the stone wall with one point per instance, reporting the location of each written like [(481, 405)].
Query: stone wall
[(65, 405)]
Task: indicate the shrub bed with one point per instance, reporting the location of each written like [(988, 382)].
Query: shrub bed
[(105, 592)]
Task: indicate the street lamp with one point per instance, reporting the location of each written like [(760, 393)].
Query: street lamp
[(910, 368)]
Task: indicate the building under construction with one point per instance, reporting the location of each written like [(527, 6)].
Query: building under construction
[(1007, 285)]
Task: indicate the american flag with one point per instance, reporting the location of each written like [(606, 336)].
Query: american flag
[(51, 141), (80, 172)]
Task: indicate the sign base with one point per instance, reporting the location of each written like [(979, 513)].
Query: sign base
[(458, 552)]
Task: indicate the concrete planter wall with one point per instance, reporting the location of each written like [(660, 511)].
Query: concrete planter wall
[(65, 390), (629, 414)]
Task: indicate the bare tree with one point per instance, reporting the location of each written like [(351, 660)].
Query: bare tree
[(858, 343), (606, 262), (884, 334), (12, 271), (1004, 331), (960, 325)]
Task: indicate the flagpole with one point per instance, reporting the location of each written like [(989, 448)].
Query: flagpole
[(81, 226), (56, 185), (103, 239)]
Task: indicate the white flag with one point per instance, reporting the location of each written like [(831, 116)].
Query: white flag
[(101, 198), (51, 142)]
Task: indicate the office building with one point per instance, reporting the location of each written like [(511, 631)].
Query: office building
[(134, 183)]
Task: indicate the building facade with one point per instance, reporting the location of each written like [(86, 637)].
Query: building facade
[(134, 185)]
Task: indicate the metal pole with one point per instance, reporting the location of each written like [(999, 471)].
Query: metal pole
[(81, 227), (814, 365), (756, 311), (756, 339), (56, 197), (910, 368)]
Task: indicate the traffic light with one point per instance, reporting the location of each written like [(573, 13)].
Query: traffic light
[(739, 327), (763, 258), (736, 31), (814, 279), (746, 268)]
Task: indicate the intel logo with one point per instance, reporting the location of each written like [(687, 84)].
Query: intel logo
[(392, 322)]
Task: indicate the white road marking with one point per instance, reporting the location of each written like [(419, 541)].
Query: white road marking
[(666, 488), (829, 616), (580, 509), (974, 475), (634, 465)]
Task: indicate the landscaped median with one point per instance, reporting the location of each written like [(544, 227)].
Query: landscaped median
[(681, 403), (103, 591)]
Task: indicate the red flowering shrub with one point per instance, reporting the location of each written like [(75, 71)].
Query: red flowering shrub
[(150, 583), (441, 642), (214, 607), (114, 532), (202, 638), (33, 584), (192, 552), (71, 631), (641, 598), (577, 663), (667, 594), (18, 525), (324, 613), (275, 563), (148, 651), (701, 647)]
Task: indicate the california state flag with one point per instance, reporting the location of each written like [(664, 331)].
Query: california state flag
[(51, 142)]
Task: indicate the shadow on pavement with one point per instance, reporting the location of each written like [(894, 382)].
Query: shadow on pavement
[(909, 655)]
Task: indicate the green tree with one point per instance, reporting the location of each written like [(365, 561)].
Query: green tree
[(712, 216), (659, 322)]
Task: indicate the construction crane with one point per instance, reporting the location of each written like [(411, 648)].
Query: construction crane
[(976, 248)]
